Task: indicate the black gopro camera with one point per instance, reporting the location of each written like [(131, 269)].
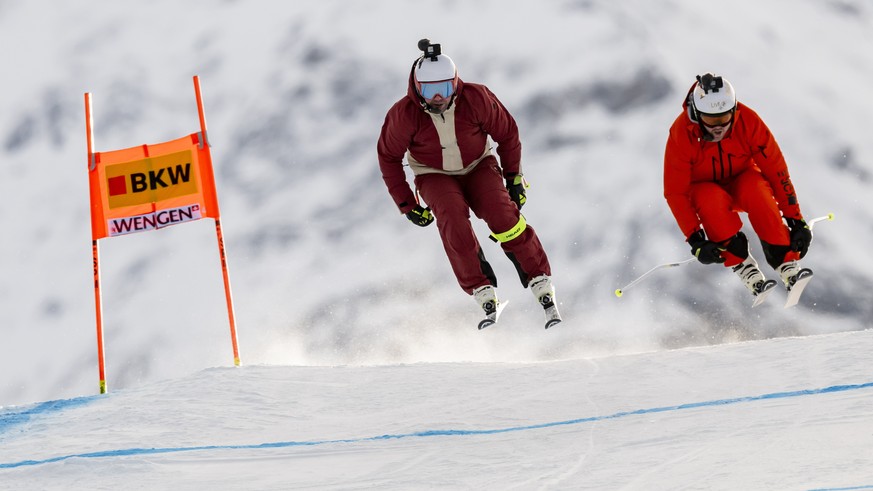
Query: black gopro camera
[(430, 50), (709, 82)]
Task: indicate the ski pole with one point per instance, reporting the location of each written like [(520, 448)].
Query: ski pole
[(829, 217), (619, 292)]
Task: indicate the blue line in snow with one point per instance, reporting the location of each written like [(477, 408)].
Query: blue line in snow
[(12, 418), (417, 434)]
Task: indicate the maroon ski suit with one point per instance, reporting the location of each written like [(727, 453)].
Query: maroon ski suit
[(455, 172)]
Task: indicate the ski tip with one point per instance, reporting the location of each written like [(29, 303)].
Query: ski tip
[(796, 290), (552, 322), (618, 292), (485, 323)]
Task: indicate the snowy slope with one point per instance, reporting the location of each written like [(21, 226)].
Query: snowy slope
[(325, 271), (780, 414)]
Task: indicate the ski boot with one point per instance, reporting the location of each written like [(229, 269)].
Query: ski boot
[(486, 297), (754, 280), (544, 292)]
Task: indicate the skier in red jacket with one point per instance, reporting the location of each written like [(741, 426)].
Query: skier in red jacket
[(721, 159), (442, 127)]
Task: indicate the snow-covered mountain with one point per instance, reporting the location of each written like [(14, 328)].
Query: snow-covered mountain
[(324, 269)]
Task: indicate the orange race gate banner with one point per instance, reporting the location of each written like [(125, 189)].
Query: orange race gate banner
[(149, 187)]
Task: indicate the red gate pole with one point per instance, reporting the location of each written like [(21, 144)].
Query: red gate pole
[(95, 252), (204, 140)]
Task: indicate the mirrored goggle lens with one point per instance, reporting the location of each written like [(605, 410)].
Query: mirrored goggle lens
[(430, 89), (716, 121)]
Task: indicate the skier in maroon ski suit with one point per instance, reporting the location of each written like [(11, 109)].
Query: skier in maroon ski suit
[(442, 128)]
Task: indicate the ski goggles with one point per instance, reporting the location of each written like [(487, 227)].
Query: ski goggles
[(717, 121), (429, 90)]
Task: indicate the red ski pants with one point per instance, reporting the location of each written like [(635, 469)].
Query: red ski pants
[(718, 206), (482, 190)]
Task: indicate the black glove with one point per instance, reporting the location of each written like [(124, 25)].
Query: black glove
[(420, 216), (515, 186), (801, 235), (706, 251)]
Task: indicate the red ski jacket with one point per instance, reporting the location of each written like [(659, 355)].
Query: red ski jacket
[(689, 158), (451, 143)]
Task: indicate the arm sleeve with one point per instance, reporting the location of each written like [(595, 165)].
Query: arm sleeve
[(677, 185), (393, 143), (500, 125), (768, 156)]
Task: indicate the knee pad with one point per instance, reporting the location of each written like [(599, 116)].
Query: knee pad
[(738, 245), (775, 254)]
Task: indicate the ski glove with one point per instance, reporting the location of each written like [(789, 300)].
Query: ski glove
[(706, 251), (420, 216), (801, 235), (515, 185)]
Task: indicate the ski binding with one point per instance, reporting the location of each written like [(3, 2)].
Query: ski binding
[(766, 289), (491, 317)]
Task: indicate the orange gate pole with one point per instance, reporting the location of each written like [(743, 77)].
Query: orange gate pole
[(95, 252), (204, 140)]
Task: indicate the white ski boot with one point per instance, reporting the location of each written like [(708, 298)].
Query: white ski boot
[(754, 280), (486, 297), (544, 292)]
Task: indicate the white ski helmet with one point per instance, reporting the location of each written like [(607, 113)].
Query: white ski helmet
[(713, 95), (433, 66)]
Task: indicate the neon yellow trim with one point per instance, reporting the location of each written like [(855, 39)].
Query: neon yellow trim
[(519, 179), (511, 233)]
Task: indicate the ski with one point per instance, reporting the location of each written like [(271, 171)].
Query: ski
[(796, 290), (491, 318), (553, 317), (766, 289)]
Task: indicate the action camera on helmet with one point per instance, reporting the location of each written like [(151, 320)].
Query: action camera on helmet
[(709, 82), (430, 50)]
